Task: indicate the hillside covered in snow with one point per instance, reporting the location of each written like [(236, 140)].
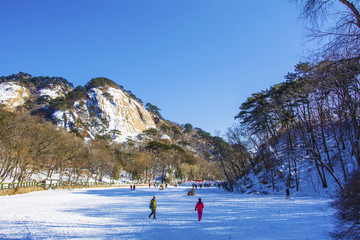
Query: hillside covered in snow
[(304, 132), (101, 108)]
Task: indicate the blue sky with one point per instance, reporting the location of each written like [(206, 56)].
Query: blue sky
[(197, 60)]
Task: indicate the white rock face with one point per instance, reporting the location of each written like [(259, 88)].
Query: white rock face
[(52, 93), (12, 95), (107, 112), (165, 137)]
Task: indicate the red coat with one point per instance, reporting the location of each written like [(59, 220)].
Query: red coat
[(199, 207)]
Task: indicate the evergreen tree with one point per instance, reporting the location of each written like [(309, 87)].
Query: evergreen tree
[(188, 128), (100, 82), (153, 109)]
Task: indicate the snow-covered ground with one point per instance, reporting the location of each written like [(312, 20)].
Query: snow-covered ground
[(118, 213)]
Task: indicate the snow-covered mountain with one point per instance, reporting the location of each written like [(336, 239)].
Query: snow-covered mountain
[(101, 110), (106, 112)]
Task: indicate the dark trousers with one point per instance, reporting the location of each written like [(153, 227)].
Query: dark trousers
[(199, 215), (153, 212)]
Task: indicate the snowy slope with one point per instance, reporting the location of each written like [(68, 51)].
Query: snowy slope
[(12, 95), (53, 93), (118, 213), (106, 111), (300, 168)]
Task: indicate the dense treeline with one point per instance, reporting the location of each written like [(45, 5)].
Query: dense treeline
[(312, 116), (310, 122), (167, 151), (30, 82), (233, 158), (29, 146)]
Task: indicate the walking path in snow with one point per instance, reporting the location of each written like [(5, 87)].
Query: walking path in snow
[(118, 213)]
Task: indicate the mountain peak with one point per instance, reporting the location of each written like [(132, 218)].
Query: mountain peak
[(100, 82), (101, 108)]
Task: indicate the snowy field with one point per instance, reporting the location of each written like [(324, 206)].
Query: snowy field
[(118, 213)]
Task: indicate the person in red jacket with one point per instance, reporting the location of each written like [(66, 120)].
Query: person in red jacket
[(199, 207)]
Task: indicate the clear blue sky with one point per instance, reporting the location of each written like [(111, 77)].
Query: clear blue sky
[(197, 60)]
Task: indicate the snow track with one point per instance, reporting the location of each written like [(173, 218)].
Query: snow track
[(118, 213)]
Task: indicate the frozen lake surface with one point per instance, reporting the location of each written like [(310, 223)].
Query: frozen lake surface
[(118, 213)]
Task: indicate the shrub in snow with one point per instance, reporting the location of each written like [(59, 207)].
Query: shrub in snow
[(191, 192), (348, 210)]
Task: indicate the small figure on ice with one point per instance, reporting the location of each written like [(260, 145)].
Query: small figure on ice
[(199, 207), (287, 193), (152, 206)]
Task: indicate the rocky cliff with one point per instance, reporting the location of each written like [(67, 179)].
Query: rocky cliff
[(103, 110), (12, 95), (106, 112)]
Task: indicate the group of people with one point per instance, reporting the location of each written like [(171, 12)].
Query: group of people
[(155, 185), (132, 187), (199, 207)]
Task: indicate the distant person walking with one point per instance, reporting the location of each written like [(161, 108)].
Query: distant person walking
[(288, 193), (152, 206), (199, 207), (134, 187), (130, 187)]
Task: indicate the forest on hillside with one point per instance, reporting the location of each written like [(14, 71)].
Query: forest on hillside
[(308, 124), (31, 145)]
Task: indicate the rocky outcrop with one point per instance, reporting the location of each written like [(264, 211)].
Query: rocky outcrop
[(12, 95), (108, 112), (104, 111)]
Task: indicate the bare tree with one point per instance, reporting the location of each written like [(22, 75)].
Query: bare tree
[(139, 164), (336, 24)]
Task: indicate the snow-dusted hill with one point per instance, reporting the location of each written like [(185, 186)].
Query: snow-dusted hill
[(106, 111), (299, 171)]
